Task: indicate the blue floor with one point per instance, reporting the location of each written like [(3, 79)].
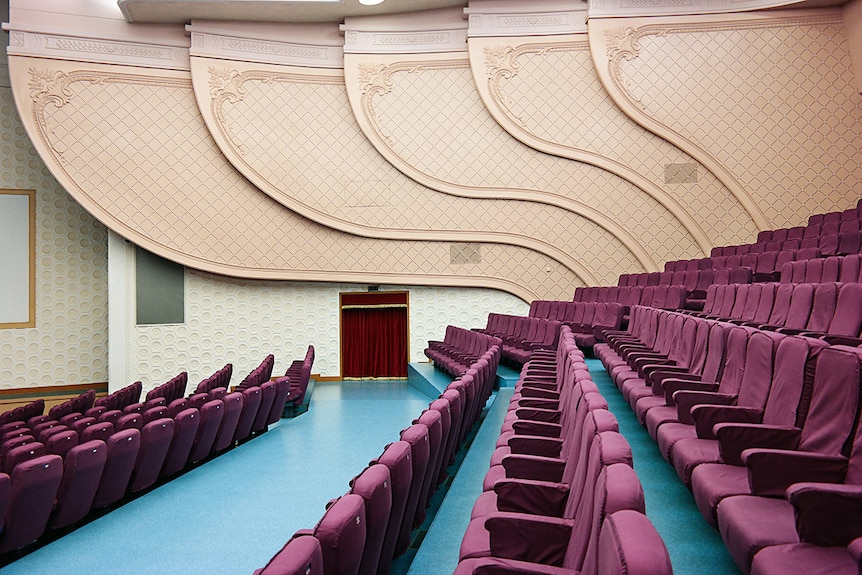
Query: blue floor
[(232, 514)]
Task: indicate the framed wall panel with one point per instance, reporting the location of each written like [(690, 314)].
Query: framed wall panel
[(17, 259)]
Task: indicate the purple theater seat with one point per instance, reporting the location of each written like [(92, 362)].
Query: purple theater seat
[(397, 458), (342, 533), (301, 555), (374, 486), (233, 403), (70, 418), (281, 392), (417, 436), (82, 471), (212, 414), (23, 413), (156, 439), (100, 431), (268, 389), (34, 486), (61, 443), (112, 416), (814, 418), (251, 402), (433, 421), (122, 453), (186, 425), (689, 445), (130, 421), (21, 454)]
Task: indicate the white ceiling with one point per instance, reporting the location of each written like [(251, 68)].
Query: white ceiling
[(184, 11)]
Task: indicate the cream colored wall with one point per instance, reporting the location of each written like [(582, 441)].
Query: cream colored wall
[(240, 321), (69, 344)]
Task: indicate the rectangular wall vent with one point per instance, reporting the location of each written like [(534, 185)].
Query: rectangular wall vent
[(680, 173), (465, 253)]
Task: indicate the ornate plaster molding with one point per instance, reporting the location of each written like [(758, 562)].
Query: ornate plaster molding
[(418, 42), (490, 22), (638, 8), (227, 47), (96, 50)]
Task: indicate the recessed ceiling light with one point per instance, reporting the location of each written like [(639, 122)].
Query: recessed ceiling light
[(370, 2)]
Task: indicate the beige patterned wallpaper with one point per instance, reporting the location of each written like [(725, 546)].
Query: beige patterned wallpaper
[(241, 321), (572, 115), (767, 100), (69, 344)]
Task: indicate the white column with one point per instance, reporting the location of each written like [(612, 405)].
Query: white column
[(121, 312)]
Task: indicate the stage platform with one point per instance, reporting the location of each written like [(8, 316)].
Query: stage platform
[(432, 381)]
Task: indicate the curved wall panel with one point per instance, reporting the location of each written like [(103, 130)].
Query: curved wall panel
[(291, 132), (765, 101), (130, 145), (424, 114), (571, 115)]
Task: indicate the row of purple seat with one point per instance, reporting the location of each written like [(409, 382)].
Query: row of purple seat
[(826, 217), (521, 335), (258, 375), (459, 349), (845, 269), (362, 531), (120, 399), (171, 390), (561, 495), (746, 417), (56, 471), (831, 310), (299, 374), (584, 319), (699, 278), (220, 378)]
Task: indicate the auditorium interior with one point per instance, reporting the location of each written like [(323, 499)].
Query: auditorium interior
[(601, 260)]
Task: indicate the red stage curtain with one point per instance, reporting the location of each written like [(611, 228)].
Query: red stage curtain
[(374, 341)]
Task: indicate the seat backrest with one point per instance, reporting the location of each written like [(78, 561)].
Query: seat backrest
[(102, 431), (823, 306), (156, 439), (22, 453), (757, 371), (834, 404), (268, 390), (781, 304), (847, 319), (397, 458), (417, 436), (630, 544), (34, 485), (790, 390), (342, 533), (61, 443), (122, 453), (186, 425), (799, 309), (301, 555), (374, 486), (251, 403), (82, 471), (211, 416)]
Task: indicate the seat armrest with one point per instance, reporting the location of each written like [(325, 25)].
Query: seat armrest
[(734, 438), (528, 537), (657, 377), (534, 497), (539, 403), (826, 514), (534, 445), (537, 414), (686, 401), (707, 416), (674, 384), (523, 427), (772, 471), (533, 467), (527, 391)]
